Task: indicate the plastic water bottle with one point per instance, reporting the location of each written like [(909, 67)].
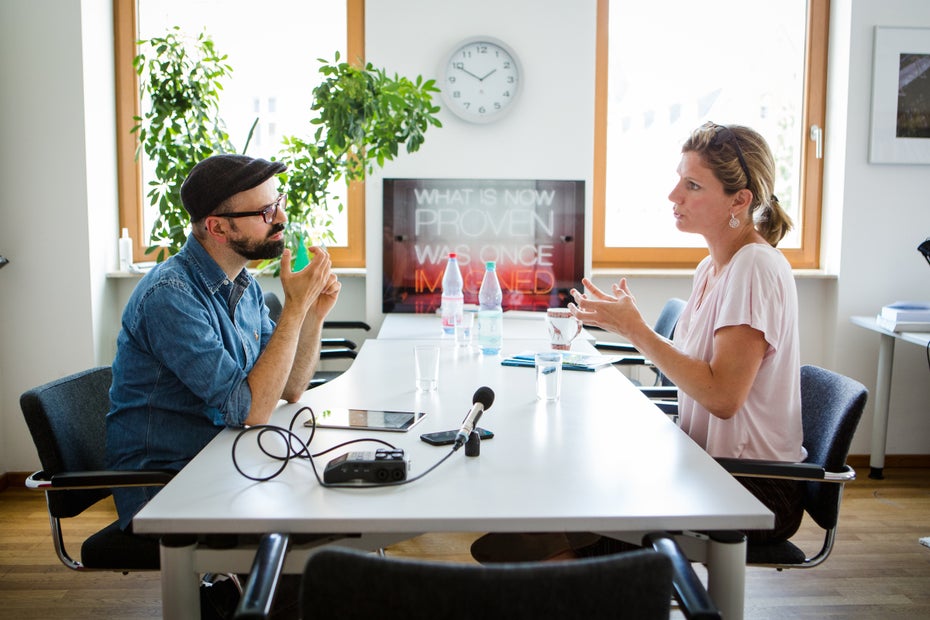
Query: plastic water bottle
[(453, 300), (490, 313), (125, 251)]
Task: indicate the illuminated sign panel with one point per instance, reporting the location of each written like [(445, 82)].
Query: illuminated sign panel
[(533, 230)]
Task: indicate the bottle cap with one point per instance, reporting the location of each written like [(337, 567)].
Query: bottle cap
[(490, 265), (451, 254), (125, 233)]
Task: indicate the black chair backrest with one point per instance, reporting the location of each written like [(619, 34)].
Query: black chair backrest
[(273, 302), (668, 317), (343, 583), (67, 420), (274, 306), (665, 326), (831, 405)]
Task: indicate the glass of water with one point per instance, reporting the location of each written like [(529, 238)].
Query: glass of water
[(548, 375)]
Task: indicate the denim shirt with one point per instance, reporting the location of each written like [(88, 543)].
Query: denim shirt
[(189, 338)]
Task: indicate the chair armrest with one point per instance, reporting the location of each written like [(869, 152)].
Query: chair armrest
[(774, 469), (340, 353), (346, 325), (668, 407), (621, 347), (663, 397), (259, 591), (338, 342), (101, 479), (668, 392), (693, 598), (632, 360), (790, 471)]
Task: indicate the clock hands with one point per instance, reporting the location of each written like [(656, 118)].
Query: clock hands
[(480, 79), (464, 70)]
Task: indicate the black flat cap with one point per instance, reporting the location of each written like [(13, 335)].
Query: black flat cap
[(219, 177)]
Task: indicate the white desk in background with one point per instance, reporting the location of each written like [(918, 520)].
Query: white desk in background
[(601, 459), (883, 386)]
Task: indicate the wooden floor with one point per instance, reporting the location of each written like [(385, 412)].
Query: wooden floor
[(878, 568)]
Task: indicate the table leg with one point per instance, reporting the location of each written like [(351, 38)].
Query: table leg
[(180, 588), (726, 572), (880, 413)]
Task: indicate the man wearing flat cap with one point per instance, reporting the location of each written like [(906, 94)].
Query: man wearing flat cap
[(197, 351)]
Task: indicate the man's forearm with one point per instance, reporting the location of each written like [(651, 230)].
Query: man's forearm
[(306, 359), (269, 378)]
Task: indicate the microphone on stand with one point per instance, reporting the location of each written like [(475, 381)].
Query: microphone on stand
[(482, 400)]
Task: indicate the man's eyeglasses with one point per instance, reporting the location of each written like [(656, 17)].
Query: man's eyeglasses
[(268, 213), (724, 134)]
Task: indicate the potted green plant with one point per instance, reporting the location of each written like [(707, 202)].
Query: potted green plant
[(182, 80), (360, 117)]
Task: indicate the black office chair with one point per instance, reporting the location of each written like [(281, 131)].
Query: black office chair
[(664, 326), (345, 583), (331, 348), (66, 418), (831, 406)]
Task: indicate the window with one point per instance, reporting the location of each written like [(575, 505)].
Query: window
[(272, 69), (666, 67)]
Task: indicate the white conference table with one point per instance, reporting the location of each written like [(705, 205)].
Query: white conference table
[(601, 459), (883, 386), (518, 325)]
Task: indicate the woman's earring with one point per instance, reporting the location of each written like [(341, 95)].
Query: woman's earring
[(734, 223)]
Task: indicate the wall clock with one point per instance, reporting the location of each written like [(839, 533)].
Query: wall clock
[(480, 79)]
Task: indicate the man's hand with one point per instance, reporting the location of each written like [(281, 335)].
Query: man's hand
[(304, 287), (327, 298)]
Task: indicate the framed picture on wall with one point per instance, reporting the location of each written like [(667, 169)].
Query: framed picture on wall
[(901, 96), (532, 229)]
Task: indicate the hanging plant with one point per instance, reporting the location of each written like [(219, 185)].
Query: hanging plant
[(360, 117)]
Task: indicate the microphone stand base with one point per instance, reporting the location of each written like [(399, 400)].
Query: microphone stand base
[(473, 445)]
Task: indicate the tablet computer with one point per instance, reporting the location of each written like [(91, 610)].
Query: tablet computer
[(367, 419)]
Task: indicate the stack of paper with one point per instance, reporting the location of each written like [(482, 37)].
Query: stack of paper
[(905, 316)]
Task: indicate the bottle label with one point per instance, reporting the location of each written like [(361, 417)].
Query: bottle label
[(452, 307), (490, 331)]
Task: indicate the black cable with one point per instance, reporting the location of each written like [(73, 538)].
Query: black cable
[(302, 451)]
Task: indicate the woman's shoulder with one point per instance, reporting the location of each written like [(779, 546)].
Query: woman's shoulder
[(760, 255)]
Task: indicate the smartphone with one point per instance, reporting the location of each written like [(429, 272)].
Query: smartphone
[(444, 438)]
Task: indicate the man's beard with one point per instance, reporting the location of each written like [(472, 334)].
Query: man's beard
[(259, 250)]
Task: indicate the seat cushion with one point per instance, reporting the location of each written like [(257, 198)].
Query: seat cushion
[(774, 553), (112, 548)]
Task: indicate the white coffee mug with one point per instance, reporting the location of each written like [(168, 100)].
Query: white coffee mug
[(563, 328)]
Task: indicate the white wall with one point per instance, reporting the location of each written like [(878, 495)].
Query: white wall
[(885, 216), (59, 312), (56, 198), (547, 135)]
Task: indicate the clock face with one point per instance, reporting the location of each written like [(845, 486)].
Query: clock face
[(481, 80)]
